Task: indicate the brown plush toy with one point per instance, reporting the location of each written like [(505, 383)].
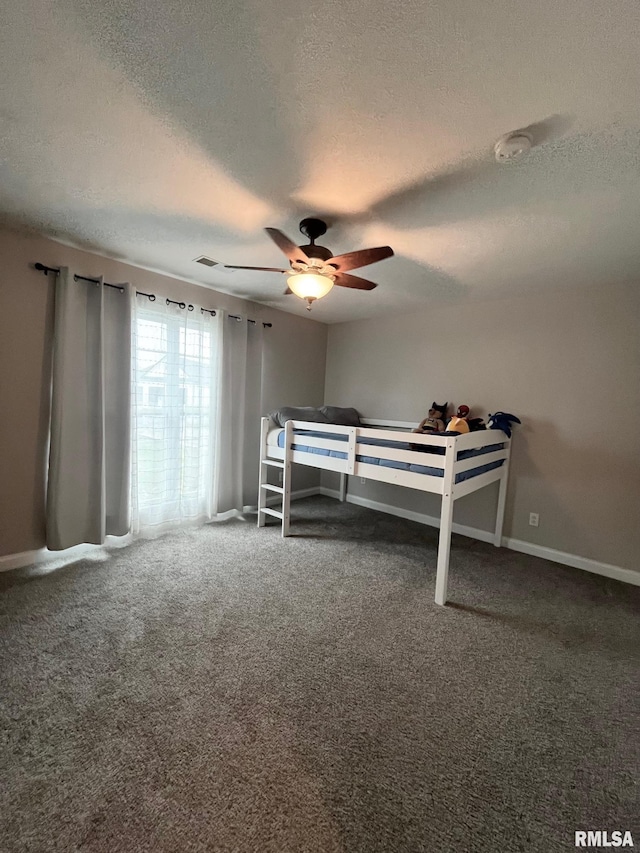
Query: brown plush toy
[(434, 422)]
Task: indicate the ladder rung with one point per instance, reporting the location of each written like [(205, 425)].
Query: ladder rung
[(274, 512), (271, 488), (274, 462)]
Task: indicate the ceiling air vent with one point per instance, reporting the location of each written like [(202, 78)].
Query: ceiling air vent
[(207, 262)]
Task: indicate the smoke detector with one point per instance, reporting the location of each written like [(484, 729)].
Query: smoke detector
[(513, 146)]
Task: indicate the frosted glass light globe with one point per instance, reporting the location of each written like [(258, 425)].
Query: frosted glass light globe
[(309, 285)]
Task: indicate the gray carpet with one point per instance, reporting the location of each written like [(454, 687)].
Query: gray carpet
[(223, 689)]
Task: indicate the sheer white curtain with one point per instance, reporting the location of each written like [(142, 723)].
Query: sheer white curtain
[(253, 410), (175, 369), (88, 483)]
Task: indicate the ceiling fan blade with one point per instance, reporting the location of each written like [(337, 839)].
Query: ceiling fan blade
[(450, 194), (262, 269), (293, 252), (343, 279), (361, 258)]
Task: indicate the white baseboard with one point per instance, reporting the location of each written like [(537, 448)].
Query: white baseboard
[(420, 517), (573, 560), (295, 496), (17, 561), (305, 493), (606, 569), (43, 555)]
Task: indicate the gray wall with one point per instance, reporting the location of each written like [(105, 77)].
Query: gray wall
[(295, 367), (566, 362)]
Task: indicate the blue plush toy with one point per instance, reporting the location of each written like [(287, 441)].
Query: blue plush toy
[(502, 420)]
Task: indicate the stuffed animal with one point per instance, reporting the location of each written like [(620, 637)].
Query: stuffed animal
[(475, 424), (502, 420), (459, 422), (462, 423), (434, 421)]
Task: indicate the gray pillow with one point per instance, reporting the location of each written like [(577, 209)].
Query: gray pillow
[(298, 413), (338, 415)]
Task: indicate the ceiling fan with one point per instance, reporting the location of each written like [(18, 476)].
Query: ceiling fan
[(314, 270)]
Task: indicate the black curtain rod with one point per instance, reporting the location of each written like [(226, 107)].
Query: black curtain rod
[(253, 322), (189, 307), (46, 270), (150, 296)]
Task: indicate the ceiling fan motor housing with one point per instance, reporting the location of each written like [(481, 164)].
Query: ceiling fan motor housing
[(313, 228), (314, 251)]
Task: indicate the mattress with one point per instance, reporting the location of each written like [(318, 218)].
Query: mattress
[(275, 438)]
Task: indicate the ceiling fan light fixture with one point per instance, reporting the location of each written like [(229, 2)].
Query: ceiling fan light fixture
[(310, 286)]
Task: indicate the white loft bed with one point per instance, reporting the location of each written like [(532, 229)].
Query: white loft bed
[(450, 465)]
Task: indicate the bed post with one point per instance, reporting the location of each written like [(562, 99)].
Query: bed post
[(343, 487), (446, 519), (502, 496), (262, 479), (286, 477)]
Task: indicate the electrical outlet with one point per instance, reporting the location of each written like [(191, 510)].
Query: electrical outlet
[(363, 480), (534, 519)]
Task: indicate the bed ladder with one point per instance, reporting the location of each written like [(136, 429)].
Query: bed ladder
[(265, 487)]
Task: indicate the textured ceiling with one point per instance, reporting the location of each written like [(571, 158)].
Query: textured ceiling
[(156, 132)]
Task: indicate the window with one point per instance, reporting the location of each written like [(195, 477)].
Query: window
[(174, 389), (156, 395)]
